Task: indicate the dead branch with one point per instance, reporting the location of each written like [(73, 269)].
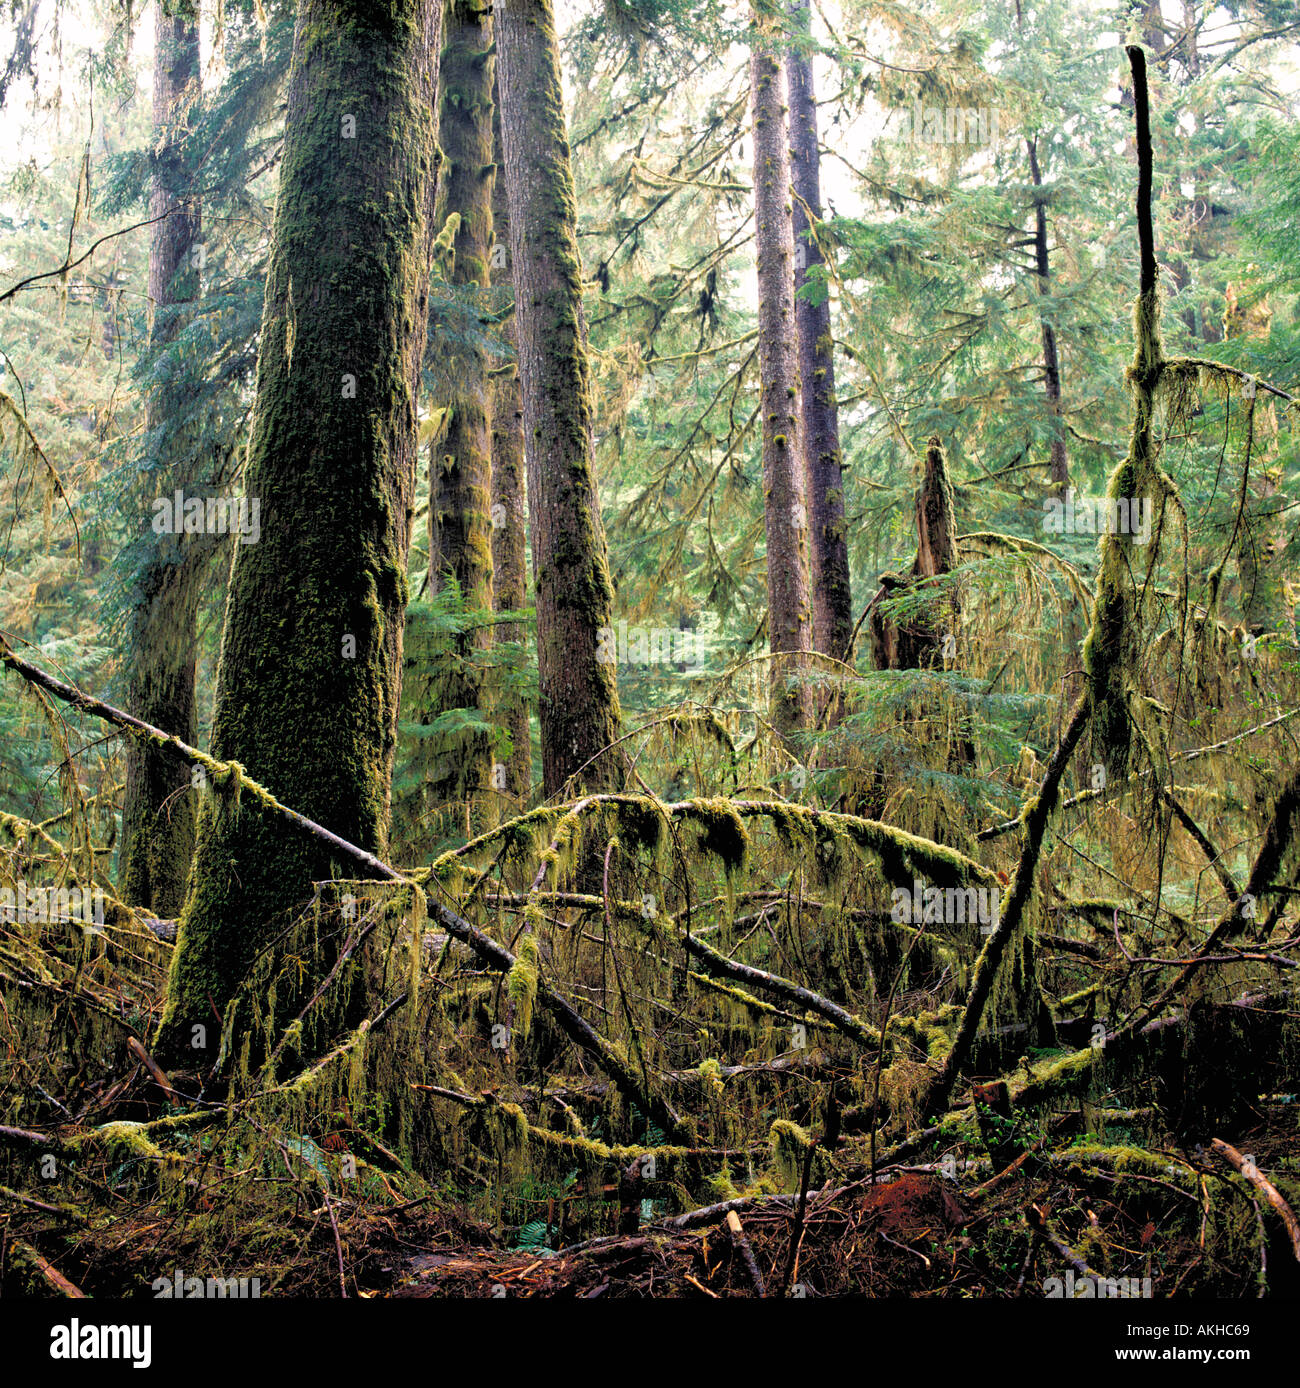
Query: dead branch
[(1266, 1188)]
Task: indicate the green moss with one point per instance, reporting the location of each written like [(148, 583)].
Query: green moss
[(316, 730), (722, 833), (1072, 1074), (790, 1145), (521, 984)]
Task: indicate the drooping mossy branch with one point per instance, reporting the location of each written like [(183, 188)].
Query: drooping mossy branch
[(1029, 549), (580, 1146), (1235, 373), (572, 1023), (722, 967), (902, 856), (222, 773)]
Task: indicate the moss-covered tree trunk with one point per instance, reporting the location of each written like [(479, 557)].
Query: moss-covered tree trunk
[(789, 618), (158, 809), (460, 545), (832, 596), (308, 683), (578, 695), (509, 511)]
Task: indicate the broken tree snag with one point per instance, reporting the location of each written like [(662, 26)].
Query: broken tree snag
[(1266, 1188), (918, 644), (996, 1124), (927, 638), (1112, 651), (740, 1242)]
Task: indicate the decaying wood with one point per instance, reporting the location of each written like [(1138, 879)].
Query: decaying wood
[(1266, 1188), (61, 1284), (742, 1245)]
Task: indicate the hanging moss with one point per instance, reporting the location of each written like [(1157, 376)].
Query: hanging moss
[(790, 1146), (521, 984), (722, 834)]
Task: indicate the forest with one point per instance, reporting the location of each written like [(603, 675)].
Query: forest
[(649, 650)]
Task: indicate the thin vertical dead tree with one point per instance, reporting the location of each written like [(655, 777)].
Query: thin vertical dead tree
[(1059, 465)]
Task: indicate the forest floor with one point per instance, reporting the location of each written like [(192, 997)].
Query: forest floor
[(912, 1233), (1161, 1222)]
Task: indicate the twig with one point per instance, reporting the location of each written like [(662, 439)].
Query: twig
[(796, 1233), (160, 1078), (1036, 1221), (338, 1245)]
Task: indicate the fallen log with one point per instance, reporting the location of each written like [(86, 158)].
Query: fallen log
[(1266, 1188)]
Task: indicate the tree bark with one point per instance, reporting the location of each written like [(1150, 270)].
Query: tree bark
[(460, 546), (789, 618), (832, 597), (509, 510), (930, 637), (578, 696), (1059, 466), (918, 645), (158, 808), (308, 684)]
